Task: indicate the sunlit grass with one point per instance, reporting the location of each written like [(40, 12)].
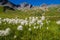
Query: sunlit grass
[(49, 31)]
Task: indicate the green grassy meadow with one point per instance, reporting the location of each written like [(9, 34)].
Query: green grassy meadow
[(49, 31)]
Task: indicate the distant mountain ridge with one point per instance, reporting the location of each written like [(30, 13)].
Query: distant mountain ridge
[(36, 2)]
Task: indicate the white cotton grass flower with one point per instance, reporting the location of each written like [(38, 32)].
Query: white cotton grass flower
[(29, 24), (15, 36), (22, 23), (33, 17), (26, 18), (37, 18), (29, 29), (39, 21), (36, 27), (0, 22), (26, 23), (30, 18), (2, 33), (43, 18), (42, 24), (32, 21), (0, 18), (20, 27), (47, 28), (5, 32), (58, 22)]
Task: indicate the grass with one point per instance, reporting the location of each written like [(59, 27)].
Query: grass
[(53, 32)]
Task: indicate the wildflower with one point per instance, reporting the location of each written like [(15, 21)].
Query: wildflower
[(0, 22), (39, 21), (34, 27), (41, 24), (5, 32), (34, 23), (47, 28), (15, 36), (29, 24), (26, 23), (20, 27), (58, 22), (36, 17), (26, 18), (30, 18), (0, 18), (2, 32), (43, 18), (29, 29), (22, 23)]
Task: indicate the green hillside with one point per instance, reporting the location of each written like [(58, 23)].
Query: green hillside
[(30, 24)]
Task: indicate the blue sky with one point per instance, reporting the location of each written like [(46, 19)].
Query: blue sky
[(36, 2)]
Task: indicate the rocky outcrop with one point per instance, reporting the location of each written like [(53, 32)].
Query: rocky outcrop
[(11, 5), (24, 5), (44, 7)]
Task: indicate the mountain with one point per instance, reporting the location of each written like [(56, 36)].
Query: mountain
[(36, 2), (24, 5)]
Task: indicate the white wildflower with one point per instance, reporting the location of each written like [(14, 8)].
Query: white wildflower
[(36, 17), (2, 32), (26, 23), (0, 22), (33, 17), (39, 21), (26, 18), (30, 18), (15, 36), (29, 24), (22, 23), (34, 27), (29, 29), (42, 24), (5, 32), (47, 28), (58, 22), (0, 18), (20, 27), (43, 18)]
